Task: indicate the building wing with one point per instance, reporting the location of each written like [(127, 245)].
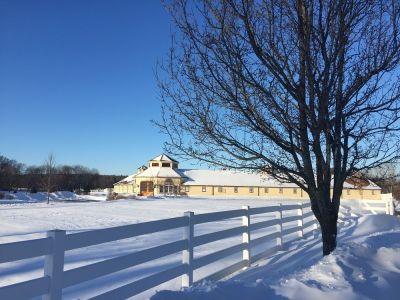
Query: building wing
[(232, 178)]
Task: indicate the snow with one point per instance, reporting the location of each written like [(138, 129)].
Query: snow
[(126, 180), (354, 271), (25, 197), (370, 225), (371, 185), (232, 178), (160, 172), (163, 157), (222, 178), (364, 266)]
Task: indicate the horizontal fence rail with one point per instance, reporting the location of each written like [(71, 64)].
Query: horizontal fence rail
[(277, 224), (373, 206), (88, 238), (25, 249)]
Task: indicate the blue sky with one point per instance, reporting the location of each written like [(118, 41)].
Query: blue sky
[(77, 80)]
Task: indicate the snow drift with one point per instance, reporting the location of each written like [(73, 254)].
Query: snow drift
[(366, 265)]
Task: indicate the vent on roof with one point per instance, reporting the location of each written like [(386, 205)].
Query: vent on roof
[(141, 169)]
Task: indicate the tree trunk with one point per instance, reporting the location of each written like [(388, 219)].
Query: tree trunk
[(329, 234), (327, 215)]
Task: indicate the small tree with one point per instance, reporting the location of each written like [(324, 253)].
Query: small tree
[(305, 90), (49, 169)]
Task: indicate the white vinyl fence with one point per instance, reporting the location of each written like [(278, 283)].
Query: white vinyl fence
[(384, 206), (57, 242), (285, 222)]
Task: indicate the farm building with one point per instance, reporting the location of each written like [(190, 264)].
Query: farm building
[(162, 176)]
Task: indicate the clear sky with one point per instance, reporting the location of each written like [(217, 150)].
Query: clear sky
[(77, 80)]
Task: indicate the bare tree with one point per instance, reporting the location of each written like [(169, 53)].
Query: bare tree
[(385, 175), (305, 90), (49, 168)]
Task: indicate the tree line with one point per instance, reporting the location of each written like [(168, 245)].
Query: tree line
[(15, 175)]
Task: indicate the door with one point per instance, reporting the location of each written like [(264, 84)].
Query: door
[(169, 189), (147, 188)]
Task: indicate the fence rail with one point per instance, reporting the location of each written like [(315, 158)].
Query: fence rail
[(373, 206), (57, 242)]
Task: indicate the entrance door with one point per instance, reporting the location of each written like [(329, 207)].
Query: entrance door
[(147, 188), (169, 189)]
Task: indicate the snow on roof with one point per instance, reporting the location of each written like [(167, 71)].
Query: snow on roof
[(236, 178), (163, 157), (232, 178), (160, 172), (371, 185), (223, 178), (126, 180)]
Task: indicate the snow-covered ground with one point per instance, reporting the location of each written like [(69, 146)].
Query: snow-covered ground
[(365, 265), (24, 197)]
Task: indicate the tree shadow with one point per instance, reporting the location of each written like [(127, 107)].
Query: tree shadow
[(221, 291)]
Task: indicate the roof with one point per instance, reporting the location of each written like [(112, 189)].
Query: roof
[(163, 157), (126, 180), (225, 178), (232, 178), (160, 172), (357, 184), (236, 178)]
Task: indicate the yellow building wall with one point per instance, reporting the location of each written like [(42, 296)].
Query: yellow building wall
[(296, 193), (285, 192), (157, 182), (242, 190), (124, 188), (196, 190), (361, 194), (246, 191)]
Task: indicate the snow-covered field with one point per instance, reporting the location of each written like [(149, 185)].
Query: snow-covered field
[(366, 264), (24, 197)]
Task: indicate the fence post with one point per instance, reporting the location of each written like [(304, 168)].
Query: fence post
[(54, 265), (391, 206), (300, 222), (315, 227), (278, 215), (187, 254), (246, 236)]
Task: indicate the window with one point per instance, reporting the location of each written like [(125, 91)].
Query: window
[(174, 165), (220, 189), (294, 191), (251, 189), (166, 165), (266, 190), (176, 189), (235, 189), (280, 190), (186, 189), (161, 189), (203, 189), (154, 164)]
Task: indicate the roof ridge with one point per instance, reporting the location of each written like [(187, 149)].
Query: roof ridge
[(163, 157)]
